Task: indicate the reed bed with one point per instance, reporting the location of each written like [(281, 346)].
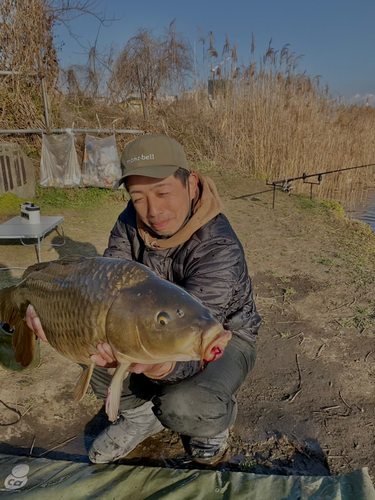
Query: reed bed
[(266, 119), (272, 128), (271, 123), (279, 128)]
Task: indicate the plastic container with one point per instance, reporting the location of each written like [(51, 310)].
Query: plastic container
[(30, 212)]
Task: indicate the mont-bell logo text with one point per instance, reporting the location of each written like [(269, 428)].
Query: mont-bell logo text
[(141, 157)]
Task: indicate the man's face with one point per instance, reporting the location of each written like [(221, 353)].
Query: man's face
[(162, 204)]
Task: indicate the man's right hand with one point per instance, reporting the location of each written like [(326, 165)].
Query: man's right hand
[(105, 356), (33, 322)]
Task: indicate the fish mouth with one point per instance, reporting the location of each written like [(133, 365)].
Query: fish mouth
[(215, 349)]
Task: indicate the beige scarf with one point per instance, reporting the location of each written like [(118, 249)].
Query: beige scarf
[(206, 206)]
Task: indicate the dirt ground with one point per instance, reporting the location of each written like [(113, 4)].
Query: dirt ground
[(307, 407)]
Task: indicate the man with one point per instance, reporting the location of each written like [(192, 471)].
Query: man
[(173, 224)]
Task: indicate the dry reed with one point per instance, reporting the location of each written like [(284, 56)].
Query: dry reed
[(270, 122), (275, 128)]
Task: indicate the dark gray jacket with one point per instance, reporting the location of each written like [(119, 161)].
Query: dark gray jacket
[(211, 266)]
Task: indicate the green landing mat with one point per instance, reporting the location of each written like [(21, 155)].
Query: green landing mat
[(43, 479)]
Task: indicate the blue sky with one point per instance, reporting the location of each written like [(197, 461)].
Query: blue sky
[(335, 37)]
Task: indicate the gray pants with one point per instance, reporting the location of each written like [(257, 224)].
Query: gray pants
[(202, 406)]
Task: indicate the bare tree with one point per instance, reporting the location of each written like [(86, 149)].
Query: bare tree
[(26, 31), (27, 49), (26, 37), (152, 63)]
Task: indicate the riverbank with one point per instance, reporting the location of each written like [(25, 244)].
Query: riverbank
[(307, 407)]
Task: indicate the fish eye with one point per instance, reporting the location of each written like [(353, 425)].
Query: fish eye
[(163, 318)]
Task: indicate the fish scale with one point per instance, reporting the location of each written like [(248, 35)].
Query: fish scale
[(83, 301)]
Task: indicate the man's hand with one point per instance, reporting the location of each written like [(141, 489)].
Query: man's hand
[(33, 322), (107, 359)]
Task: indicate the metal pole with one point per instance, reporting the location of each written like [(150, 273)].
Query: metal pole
[(5, 73), (73, 130), (320, 174)]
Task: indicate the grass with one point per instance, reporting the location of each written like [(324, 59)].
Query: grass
[(90, 396), (326, 261), (285, 280), (84, 198), (247, 465), (266, 301), (363, 319), (306, 203), (56, 198), (10, 203), (321, 205), (205, 166), (28, 403)]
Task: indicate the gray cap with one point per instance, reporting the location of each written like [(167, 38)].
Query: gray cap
[(152, 156)]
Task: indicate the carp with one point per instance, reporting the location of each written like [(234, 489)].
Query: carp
[(83, 301)]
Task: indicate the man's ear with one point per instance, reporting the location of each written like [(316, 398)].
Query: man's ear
[(193, 184)]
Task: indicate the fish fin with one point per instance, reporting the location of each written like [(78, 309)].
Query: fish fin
[(23, 338), (71, 259), (83, 383), (112, 403), (36, 267), (23, 342), (43, 265)]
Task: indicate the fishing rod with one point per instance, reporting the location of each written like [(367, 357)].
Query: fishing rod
[(287, 183)]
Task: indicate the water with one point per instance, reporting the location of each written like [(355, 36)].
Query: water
[(365, 210)]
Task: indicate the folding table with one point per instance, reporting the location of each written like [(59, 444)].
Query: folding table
[(19, 228)]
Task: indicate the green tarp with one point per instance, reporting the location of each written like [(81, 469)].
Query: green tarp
[(43, 479)]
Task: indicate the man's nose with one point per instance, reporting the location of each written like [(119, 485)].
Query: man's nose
[(154, 208)]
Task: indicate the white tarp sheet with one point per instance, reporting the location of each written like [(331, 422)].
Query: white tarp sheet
[(59, 164), (101, 164)]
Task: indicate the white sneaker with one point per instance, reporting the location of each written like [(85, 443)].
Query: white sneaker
[(120, 438)]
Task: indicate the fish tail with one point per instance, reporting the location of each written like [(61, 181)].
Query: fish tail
[(112, 403), (83, 383), (23, 338)]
